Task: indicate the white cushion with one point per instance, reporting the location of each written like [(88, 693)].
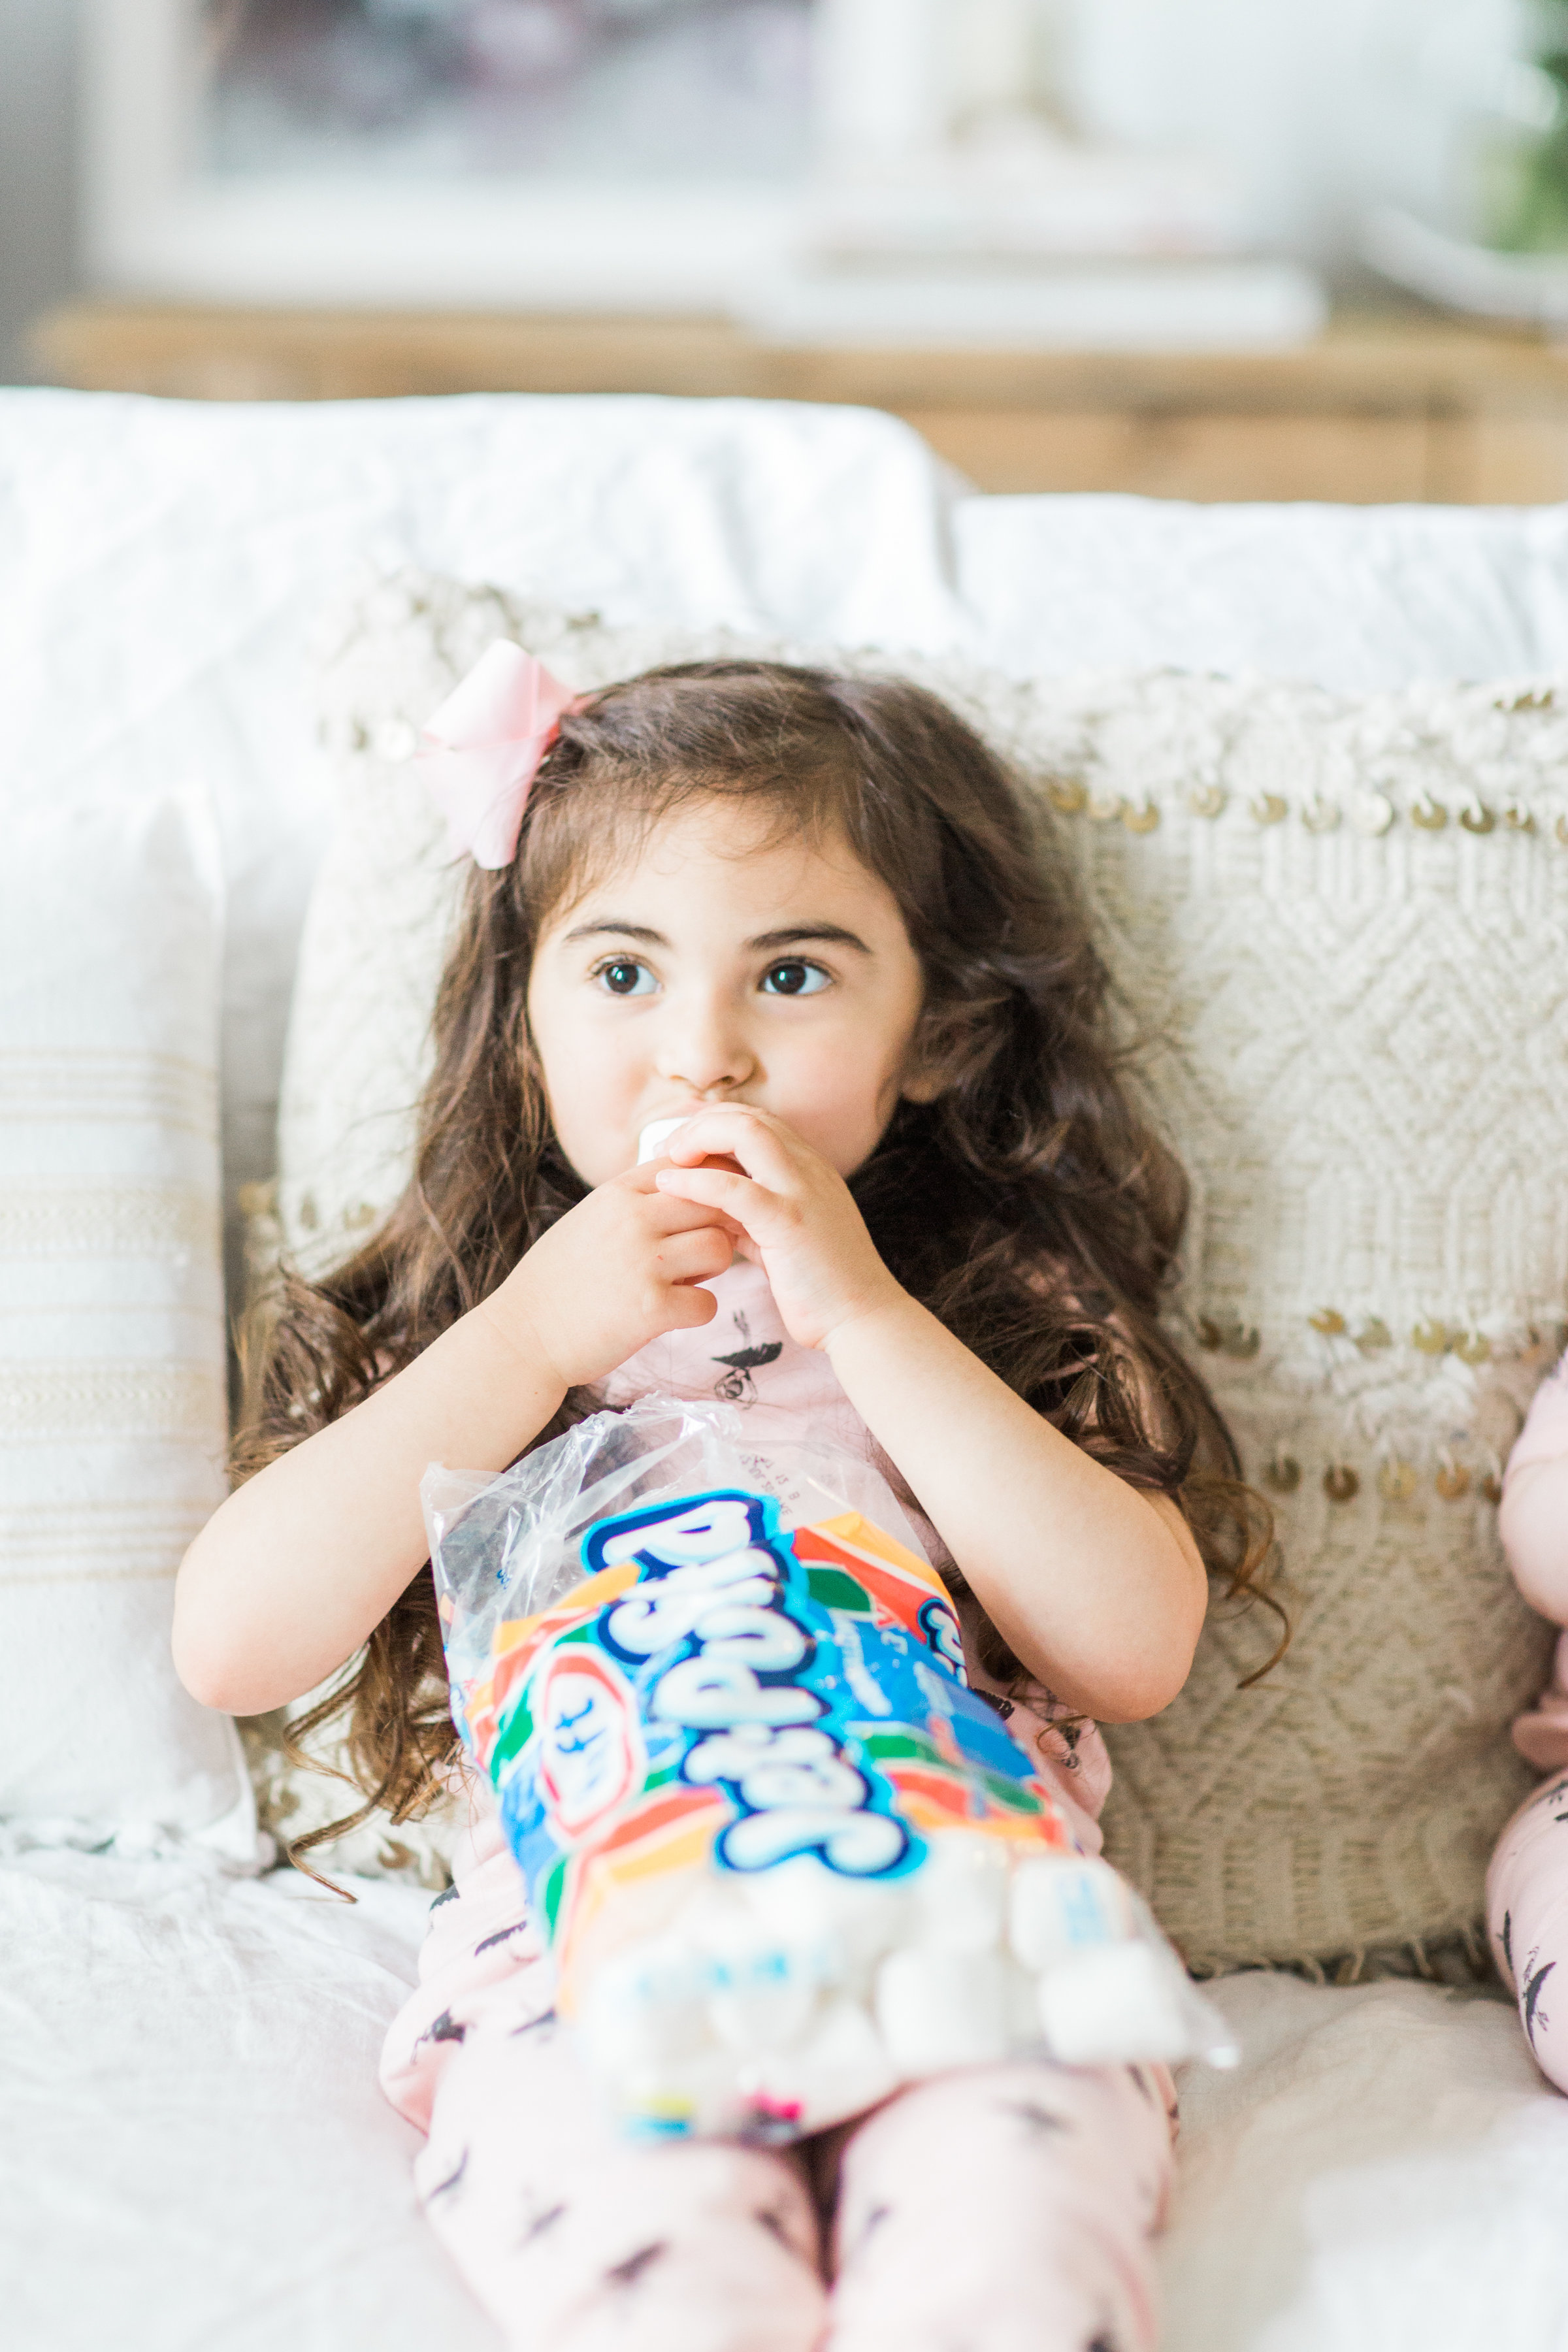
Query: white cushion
[(1364, 599), (112, 1342), (1387, 2168), (1356, 1017)]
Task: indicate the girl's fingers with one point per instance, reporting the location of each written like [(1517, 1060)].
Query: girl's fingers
[(695, 1257), (737, 1197), (682, 1213), (643, 1178), (734, 1132), (687, 1308)]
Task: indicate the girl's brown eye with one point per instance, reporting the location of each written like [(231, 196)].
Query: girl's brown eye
[(794, 979), (626, 976)]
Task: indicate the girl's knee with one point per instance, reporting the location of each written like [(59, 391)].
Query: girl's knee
[(960, 2129), (578, 2240), (1527, 1921), (1011, 2205), (1527, 1882)]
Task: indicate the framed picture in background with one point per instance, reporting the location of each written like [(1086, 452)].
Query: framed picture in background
[(1002, 172), (597, 154)]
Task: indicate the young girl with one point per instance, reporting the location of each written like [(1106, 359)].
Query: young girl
[(911, 1207)]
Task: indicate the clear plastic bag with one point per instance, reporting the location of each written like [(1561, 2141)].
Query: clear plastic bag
[(786, 1859)]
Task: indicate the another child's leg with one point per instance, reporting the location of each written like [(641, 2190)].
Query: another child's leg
[(1008, 2209), (1527, 1915), (577, 2240)]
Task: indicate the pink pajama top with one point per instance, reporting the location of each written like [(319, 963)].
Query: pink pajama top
[(482, 1959)]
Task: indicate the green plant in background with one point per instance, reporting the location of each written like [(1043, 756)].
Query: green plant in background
[(1528, 193)]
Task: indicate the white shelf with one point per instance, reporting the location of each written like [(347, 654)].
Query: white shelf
[(1123, 307)]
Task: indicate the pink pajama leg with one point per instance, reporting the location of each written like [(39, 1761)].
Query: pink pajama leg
[(1008, 2209), (1527, 1916), (578, 2240)]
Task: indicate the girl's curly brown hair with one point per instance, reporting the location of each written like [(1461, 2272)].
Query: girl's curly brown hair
[(1028, 1206)]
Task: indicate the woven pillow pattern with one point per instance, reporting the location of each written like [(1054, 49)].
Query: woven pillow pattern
[(112, 1404), (1338, 927)]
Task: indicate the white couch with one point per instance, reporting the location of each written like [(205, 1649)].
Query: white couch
[(193, 2151)]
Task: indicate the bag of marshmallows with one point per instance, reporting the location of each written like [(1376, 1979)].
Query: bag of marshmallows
[(785, 1860)]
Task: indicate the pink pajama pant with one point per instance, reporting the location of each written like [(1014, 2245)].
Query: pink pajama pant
[(1009, 2209), (1527, 1917)]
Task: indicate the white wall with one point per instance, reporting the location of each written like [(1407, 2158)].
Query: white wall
[(37, 167), (1323, 107)]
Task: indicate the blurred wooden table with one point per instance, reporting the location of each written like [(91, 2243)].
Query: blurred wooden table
[(1392, 407)]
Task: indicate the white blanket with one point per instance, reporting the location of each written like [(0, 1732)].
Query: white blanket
[(193, 2153), (1387, 2173), (194, 2150)]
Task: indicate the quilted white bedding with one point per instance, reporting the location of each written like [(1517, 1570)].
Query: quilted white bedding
[(192, 2150), (194, 2153)]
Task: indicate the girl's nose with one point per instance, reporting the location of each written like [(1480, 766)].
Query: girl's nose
[(706, 1052)]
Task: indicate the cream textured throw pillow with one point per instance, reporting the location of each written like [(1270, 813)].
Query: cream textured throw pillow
[(1341, 927), (112, 1407)]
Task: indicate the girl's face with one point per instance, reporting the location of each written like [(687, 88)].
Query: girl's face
[(721, 967)]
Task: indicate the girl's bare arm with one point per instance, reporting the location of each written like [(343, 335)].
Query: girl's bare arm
[(1096, 1585), (287, 1577), (290, 1575)]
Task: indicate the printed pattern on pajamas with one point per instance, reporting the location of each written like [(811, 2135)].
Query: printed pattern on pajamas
[(1002, 2208), (1527, 1883)]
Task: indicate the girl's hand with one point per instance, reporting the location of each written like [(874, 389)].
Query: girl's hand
[(617, 1271), (793, 1212)]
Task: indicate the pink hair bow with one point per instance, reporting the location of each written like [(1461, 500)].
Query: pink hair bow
[(482, 749)]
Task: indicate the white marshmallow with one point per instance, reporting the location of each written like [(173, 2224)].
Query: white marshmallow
[(1024, 2033), (1113, 2006), (761, 2002), (938, 2009), (841, 2069), (961, 1890), (1060, 1905), (655, 1136), (644, 2008), (849, 1923), (761, 1986), (714, 1916)]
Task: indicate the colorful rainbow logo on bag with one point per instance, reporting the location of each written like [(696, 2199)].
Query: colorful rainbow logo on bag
[(723, 1693)]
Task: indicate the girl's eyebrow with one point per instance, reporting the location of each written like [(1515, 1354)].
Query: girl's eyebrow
[(765, 943), (830, 934), (614, 924)]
